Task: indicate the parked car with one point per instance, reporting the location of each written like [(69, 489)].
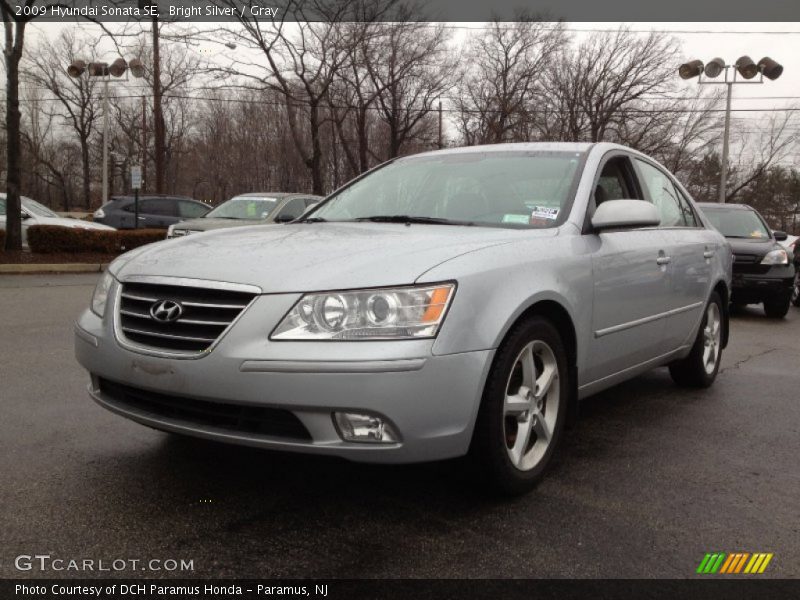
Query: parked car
[(34, 213), (155, 211), (795, 248), (449, 303), (762, 269), (248, 209)]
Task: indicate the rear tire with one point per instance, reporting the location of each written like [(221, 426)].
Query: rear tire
[(700, 368), (777, 307), (524, 407)]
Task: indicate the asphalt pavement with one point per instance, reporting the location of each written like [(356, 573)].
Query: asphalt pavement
[(651, 478)]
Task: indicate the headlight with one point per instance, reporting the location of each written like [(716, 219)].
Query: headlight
[(779, 256), (99, 214), (377, 314), (100, 296)]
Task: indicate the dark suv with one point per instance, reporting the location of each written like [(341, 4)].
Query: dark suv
[(762, 269), (155, 212)]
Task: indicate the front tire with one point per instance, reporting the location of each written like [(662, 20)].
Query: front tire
[(700, 368), (796, 286), (777, 307), (524, 406)]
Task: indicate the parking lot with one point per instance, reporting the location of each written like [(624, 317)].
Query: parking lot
[(650, 479)]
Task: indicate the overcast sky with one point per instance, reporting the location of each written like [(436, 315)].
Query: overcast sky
[(705, 41)]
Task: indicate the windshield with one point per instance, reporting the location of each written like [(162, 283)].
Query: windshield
[(504, 189), (737, 223), (244, 207)]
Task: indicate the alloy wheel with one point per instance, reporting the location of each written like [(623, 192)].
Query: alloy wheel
[(531, 404), (712, 335)]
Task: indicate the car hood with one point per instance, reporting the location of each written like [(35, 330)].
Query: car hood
[(307, 257), (75, 223), (211, 223), (751, 245)]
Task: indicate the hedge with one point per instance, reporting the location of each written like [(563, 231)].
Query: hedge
[(2, 239), (50, 239)]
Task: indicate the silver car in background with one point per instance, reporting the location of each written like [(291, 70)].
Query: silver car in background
[(458, 302), (248, 209)]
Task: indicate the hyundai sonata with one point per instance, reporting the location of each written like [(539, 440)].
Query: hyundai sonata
[(458, 302)]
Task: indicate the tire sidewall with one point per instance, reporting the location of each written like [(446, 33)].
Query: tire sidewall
[(489, 441)]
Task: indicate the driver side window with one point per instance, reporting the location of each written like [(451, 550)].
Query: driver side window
[(615, 182)]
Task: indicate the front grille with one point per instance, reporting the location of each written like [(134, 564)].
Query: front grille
[(749, 264), (203, 315), (258, 420)]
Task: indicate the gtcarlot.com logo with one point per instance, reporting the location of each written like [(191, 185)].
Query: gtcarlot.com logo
[(735, 563), (46, 562)]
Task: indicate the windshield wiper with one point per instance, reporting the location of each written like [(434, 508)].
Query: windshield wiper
[(312, 220), (408, 220)]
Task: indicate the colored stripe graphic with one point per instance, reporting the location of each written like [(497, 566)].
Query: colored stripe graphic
[(734, 563)]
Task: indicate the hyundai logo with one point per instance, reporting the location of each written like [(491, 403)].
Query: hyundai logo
[(166, 311)]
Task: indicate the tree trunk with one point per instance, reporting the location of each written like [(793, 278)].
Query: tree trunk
[(87, 200), (13, 144), (363, 141), (158, 114), (315, 162)]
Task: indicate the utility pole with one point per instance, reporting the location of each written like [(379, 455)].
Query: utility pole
[(104, 198), (441, 143), (723, 173), (144, 142)]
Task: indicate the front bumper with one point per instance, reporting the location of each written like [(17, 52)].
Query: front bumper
[(431, 400), (754, 288)]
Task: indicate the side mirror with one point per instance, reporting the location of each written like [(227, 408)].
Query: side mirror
[(780, 236), (284, 218), (625, 214), (25, 215)]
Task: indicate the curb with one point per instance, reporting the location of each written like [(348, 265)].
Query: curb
[(53, 268)]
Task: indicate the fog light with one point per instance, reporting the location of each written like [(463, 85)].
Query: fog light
[(359, 427)]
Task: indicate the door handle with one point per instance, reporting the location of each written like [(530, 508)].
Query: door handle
[(663, 260), (140, 218), (708, 254)]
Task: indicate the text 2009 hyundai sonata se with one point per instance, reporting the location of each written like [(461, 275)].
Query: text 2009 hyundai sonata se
[(453, 302)]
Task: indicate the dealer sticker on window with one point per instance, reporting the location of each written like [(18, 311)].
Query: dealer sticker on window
[(544, 212)]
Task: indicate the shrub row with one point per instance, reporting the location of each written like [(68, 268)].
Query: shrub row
[(49, 239)]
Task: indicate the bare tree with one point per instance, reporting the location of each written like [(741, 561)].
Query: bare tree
[(772, 143), (501, 79), (302, 61), (76, 96), (410, 68), (594, 88)]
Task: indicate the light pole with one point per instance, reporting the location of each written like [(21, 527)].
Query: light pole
[(101, 69), (743, 71)]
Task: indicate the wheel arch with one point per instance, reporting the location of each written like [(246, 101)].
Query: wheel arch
[(555, 312)]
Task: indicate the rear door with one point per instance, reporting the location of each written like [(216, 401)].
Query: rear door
[(691, 250), (157, 213), (631, 281)]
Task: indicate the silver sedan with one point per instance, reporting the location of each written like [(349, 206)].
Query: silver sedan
[(459, 302)]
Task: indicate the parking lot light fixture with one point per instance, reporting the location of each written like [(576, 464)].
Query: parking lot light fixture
[(691, 69), (714, 68), (746, 67), (770, 68)]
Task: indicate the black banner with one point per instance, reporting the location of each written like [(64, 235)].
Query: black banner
[(743, 11), (416, 589)]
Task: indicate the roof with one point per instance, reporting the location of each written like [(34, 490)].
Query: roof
[(270, 194), (725, 205), (516, 147)]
